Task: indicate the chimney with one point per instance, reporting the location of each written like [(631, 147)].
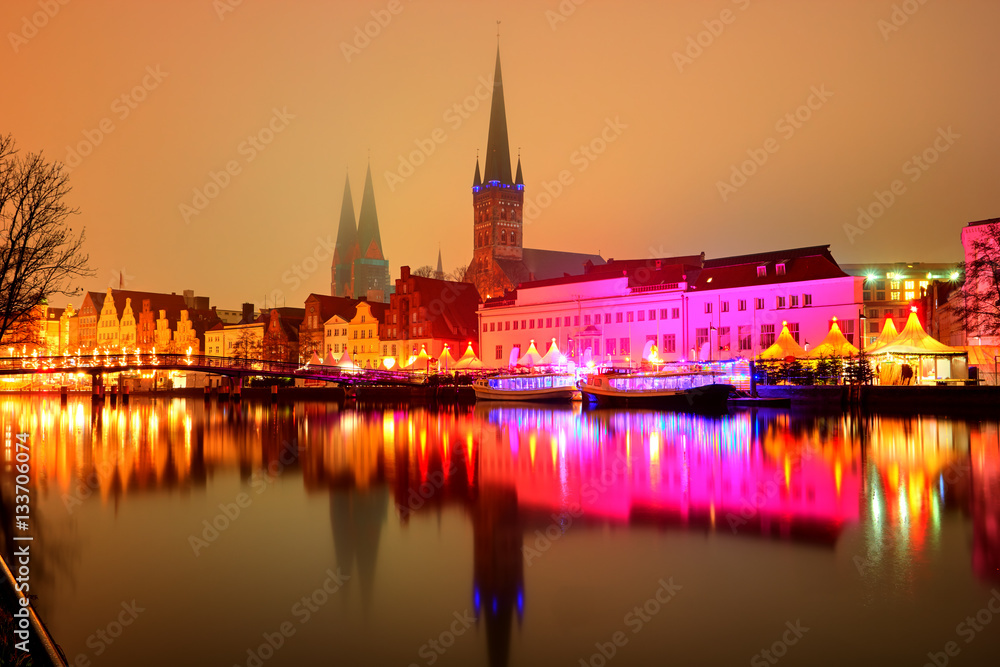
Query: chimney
[(247, 313), (404, 272)]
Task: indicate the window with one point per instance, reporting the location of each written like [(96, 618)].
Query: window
[(807, 299), (663, 313), (675, 313), (741, 304), (618, 318), (586, 320), (607, 318), (576, 320), (872, 326), (628, 316), (758, 304), (893, 296), (499, 351), (761, 271), (779, 269), (908, 296), (626, 344), (507, 326), (847, 328), (641, 315), (766, 335), (566, 321), (669, 343), (723, 338), (908, 285), (779, 302), (793, 301), (609, 346), (746, 338), (880, 296), (793, 328), (708, 308), (548, 321), (700, 337), (385, 350), (724, 307), (652, 314), (893, 284), (516, 323), (394, 350), (531, 324), (493, 327)]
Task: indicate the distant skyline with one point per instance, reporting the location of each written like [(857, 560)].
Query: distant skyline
[(209, 139)]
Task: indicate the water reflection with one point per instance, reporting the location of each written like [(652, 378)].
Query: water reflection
[(526, 476)]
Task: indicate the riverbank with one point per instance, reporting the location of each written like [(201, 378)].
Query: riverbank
[(965, 401)]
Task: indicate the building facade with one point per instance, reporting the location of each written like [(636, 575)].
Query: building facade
[(891, 289), (690, 308), (363, 334), (428, 314)]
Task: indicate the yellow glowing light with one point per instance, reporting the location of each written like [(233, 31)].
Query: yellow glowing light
[(389, 362)]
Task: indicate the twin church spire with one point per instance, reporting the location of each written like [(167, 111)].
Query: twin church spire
[(497, 168), (359, 267)]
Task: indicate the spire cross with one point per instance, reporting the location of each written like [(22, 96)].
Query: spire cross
[(498, 33)]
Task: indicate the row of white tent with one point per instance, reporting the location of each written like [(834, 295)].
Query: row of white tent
[(418, 362)]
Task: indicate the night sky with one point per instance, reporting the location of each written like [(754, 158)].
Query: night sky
[(668, 96)]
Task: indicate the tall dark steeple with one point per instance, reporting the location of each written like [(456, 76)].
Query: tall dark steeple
[(439, 273), (346, 249), (369, 238), (371, 270), (497, 203), (497, 146)]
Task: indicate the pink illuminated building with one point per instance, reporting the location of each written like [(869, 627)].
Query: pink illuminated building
[(690, 307)]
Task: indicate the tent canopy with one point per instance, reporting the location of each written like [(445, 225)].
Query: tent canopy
[(834, 345), (468, 360), (419, 362), (446, 362), (346, 361), (314, 359), (784, 346), (914, 340), (553, 357), (886, 336), (531, 357), (330, 359)]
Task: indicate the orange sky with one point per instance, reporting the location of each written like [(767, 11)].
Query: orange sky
[(210, 78)]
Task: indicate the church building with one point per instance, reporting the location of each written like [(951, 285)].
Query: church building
[(500, 261), (359, 270)]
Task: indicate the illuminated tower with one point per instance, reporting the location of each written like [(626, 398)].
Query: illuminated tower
[(497, 203), (371, 270)]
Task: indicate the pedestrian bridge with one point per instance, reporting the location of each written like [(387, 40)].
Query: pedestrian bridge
[(99, 364)]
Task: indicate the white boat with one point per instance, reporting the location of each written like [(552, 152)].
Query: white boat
[(533, 387), (695, 390)]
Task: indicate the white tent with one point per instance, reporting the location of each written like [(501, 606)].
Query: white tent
[(468, 360), (446, 362), (419, 362), (784, 347), (314, 359), (330, 359), (553, 357), (346, 361), (530, 358)]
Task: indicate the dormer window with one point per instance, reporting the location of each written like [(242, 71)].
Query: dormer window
[(761, 271), (780, 269)]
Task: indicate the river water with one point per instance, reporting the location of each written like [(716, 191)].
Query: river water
[(171, 532)]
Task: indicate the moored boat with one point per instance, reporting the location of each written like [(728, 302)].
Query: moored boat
[(533, 387), (697, 391)]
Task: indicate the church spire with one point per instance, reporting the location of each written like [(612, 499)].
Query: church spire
[(346, 249), (477, 181), (497, 146), (518, 179), (439, 274), (369, 238)]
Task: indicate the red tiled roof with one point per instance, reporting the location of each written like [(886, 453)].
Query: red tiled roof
[(816, 267)]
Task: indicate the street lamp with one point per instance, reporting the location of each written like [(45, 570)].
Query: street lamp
[(861, 322)]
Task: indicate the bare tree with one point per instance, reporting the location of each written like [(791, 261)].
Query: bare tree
[(39, 254), (459, 275), (247, 346), (977, 304), (426, 271)]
